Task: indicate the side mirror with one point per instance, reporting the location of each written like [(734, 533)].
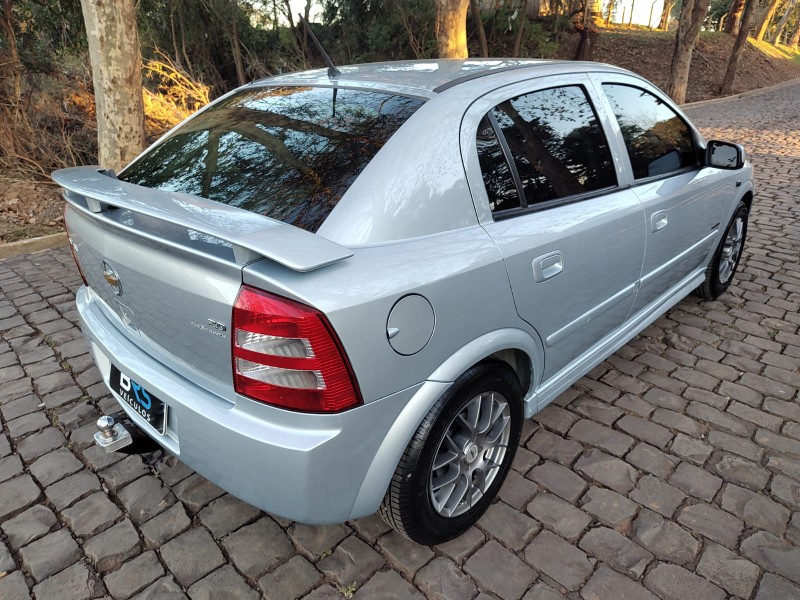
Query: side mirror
[(724, 155)]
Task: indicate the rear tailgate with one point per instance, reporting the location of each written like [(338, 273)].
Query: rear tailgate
[(165, 267)]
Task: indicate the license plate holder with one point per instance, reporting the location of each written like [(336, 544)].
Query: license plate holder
[(144, 403)]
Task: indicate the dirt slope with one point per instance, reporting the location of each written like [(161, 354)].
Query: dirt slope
[(649, 54)]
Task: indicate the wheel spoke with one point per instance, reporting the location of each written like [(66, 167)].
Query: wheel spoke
[(446, 478), (497, 431), (456, 495), (443, 459)]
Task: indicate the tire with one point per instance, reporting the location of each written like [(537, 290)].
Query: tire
[(417, 504), (723, 265)]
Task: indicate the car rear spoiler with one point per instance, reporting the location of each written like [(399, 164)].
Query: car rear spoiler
[(251, 235)]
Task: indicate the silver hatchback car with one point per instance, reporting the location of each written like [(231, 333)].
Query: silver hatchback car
[(332, 295)]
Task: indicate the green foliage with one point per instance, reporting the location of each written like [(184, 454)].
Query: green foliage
[(48, 31)]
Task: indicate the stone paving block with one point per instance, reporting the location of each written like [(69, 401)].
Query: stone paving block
[(50, 554), (785, 465), (291, 580), (542, 591), (595, 410), (728, 570), (372, 527), (563, 562), (10, 466), (21, 406), (55, 466), (13, 586), (677, 421), (524, 459), (773, 554), (558, 479), (657, 495), (226, 514), (75, 583), (441, 579), (664, 539), (647, 458), (191, 556), (324, 592), (7, 563), (63, 397), (695, 481), (497, 569), (134, 576), (793, 532), (517, 490), (388, 585), (313, 540), (32, 524), (715, 524), (40, 443), (738, 470), (463, 546), (606, 583), (124, 472), (406, 556), (145, 498), (165, 526), (351, 562), (91, 515), (735, 444), (672, 582), (690, 449), (755, 509), (67, 491), (196, 492), (617, 551), (225, 578), (607, 470), (609, 508), (166, 587), (99, 459), (22, 426), (16, 495), (556, 419), (635, 405), (258, 548), (645, 431), (602, 437), (773, 587), (562, 517), (512, 528), (114, 546), (777, 442), (551, 446), (665, 400)]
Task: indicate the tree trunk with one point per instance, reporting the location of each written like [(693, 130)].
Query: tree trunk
[(663, 23), (738, 48), (693, 13), (236, 48), (772, 8), (776, 38), (7, 27), (795, 41), (451, 28), (523, 19), (734, 17), (117, 76), (475, 7), (610, 12)]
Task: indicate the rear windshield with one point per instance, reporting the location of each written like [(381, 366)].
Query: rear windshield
[(289, 153)]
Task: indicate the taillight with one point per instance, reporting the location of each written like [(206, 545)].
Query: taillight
[(286, 354), (73, 247)]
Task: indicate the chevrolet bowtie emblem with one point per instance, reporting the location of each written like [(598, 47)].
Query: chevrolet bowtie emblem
[(110, 275)]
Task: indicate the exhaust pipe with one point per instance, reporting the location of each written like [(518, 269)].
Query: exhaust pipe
[(117, 433)]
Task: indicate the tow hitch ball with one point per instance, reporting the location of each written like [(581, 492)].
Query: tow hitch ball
[(111, 436)]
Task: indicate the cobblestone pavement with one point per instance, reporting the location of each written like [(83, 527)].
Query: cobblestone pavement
[(672, 471)]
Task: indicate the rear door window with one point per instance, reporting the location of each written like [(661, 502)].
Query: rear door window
[(289, 153), (657, 139)]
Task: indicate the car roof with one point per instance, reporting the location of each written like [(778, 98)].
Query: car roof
[(428, 77)]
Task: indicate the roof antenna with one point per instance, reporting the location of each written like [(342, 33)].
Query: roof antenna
[(332, 70)]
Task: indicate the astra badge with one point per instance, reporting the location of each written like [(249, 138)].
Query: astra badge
[(110, 275)]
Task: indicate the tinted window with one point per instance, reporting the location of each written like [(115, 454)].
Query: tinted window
[(289, 153), (558, 146), (658, 141), (496, 173)]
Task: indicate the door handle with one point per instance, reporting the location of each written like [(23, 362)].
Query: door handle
[(658, 220), (547, 266)]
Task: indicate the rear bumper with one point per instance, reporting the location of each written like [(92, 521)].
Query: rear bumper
[(309, 468)]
